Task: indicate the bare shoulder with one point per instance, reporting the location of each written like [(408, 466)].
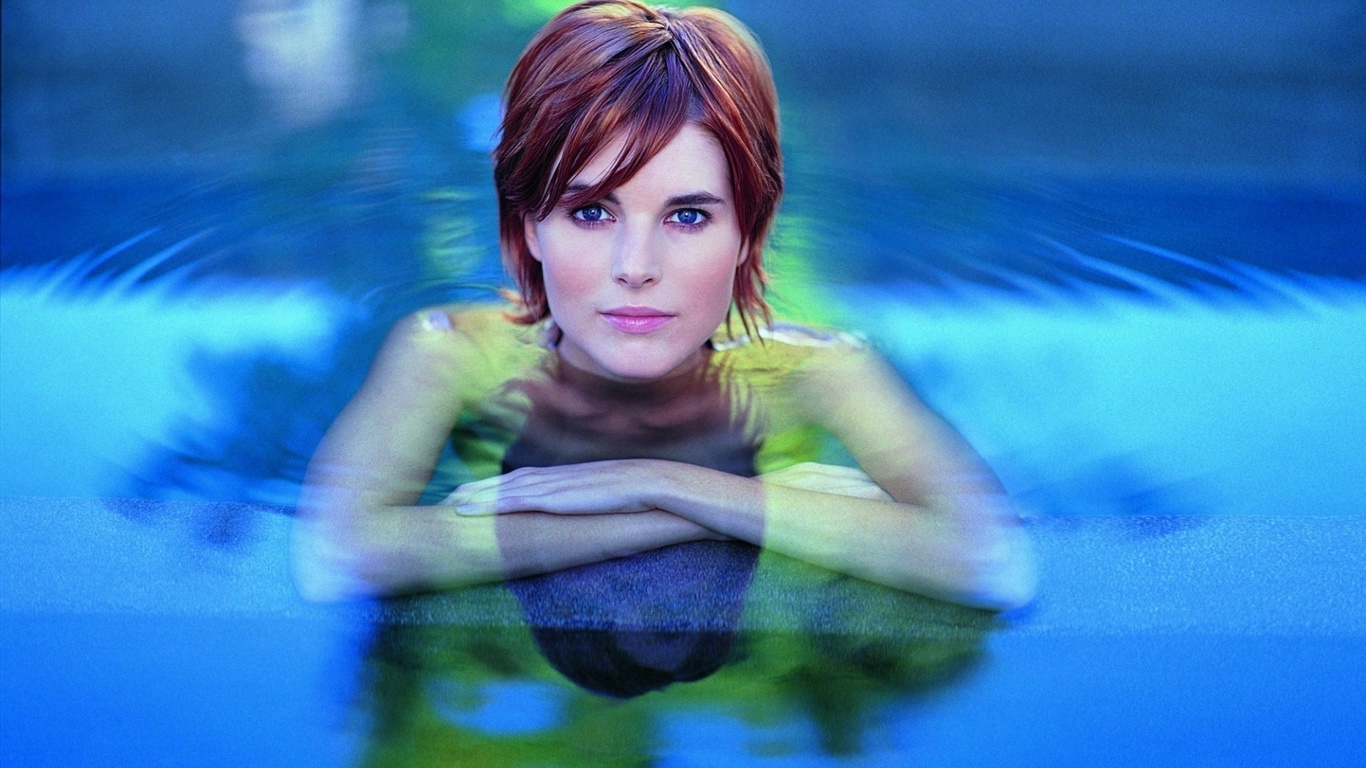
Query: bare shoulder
[(846, 386), (437, 345), (817, 352), (443, 332), (791, 346), (471, 349), (788, 335), (838, 373), (802, 335)]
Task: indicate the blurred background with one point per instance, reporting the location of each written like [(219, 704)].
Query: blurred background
[(1120, 245)]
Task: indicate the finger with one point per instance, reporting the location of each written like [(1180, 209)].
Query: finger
[(474, 486), (838, 471), (487, 501), (475, 497)]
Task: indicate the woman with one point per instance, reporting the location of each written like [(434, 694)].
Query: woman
[(619, 409)]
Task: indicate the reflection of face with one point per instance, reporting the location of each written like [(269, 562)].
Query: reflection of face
[(637, 282)]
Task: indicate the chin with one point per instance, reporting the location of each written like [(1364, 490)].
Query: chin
[(639, 370), (641, 367)]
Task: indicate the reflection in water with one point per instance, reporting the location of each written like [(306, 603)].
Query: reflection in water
[(633, 625), (187, 651), (475, 675)]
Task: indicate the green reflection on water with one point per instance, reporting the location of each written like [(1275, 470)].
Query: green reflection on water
[(814, 652)]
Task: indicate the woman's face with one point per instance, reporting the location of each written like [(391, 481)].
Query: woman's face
[(638, 281)]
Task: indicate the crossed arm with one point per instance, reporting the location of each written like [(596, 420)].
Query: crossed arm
[(923, 515)]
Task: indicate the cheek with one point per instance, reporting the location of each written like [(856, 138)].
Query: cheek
[(567, 278), (716, 280), (710, 287), (719, 284)]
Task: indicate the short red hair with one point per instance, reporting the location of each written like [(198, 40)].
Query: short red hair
[(605, 68)]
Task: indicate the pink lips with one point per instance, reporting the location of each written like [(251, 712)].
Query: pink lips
[(636, 319)]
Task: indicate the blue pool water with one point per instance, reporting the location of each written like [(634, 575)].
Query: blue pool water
[(1126, 260)]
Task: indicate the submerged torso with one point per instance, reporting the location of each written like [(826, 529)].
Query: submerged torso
[(739, 410)]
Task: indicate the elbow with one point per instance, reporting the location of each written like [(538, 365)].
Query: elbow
[(325, 585), (324, 570), (365, 558)]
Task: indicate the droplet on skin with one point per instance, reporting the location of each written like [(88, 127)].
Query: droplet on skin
[(436, 320)]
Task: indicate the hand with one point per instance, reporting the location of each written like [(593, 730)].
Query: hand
[(594, 488), (827, 478)]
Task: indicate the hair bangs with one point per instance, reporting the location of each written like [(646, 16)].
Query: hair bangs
[(644, 104)]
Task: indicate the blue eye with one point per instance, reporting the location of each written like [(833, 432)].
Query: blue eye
[(689, 217), (590, 214)]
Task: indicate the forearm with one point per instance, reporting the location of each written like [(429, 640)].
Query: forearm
[(968, 549), (395, 550)]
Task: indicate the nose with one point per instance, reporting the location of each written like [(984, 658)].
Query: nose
[(636, 262)]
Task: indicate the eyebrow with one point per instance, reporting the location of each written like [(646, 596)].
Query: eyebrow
[(695, 198), (690, 198)]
